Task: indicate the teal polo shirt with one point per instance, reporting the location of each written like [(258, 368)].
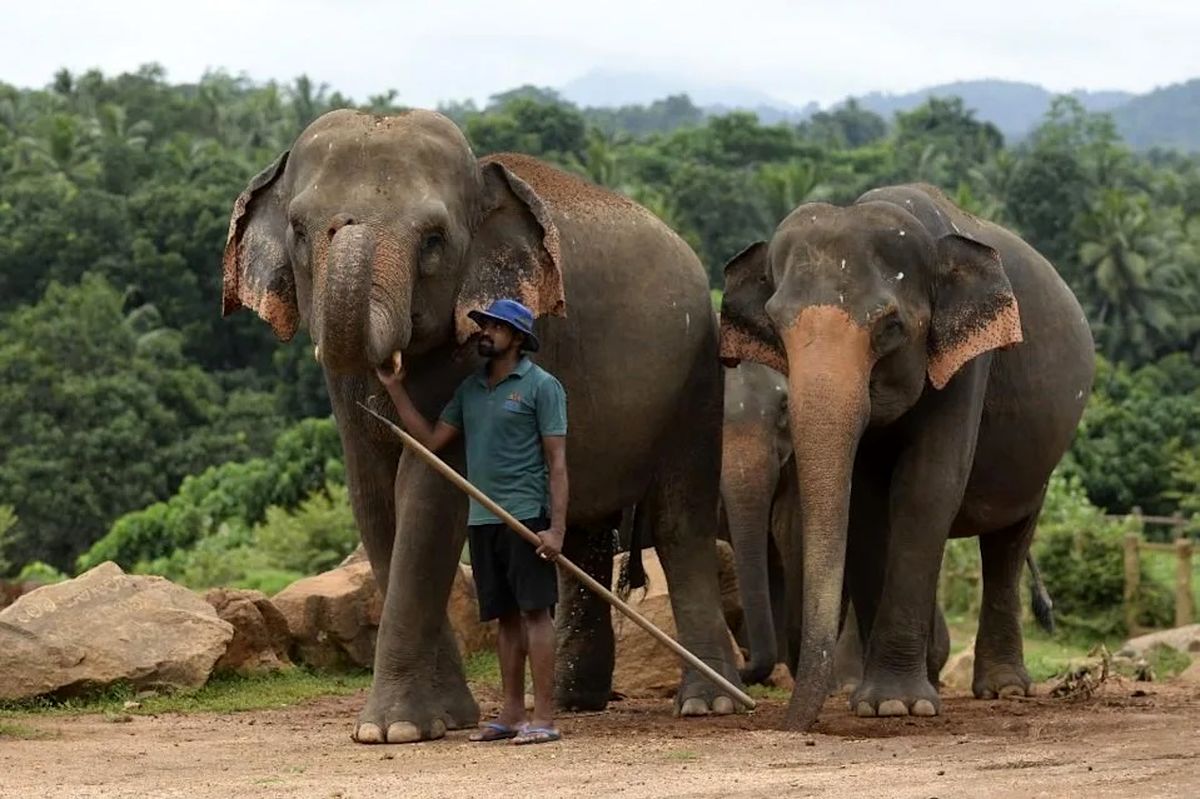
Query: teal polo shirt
[(503, 429)]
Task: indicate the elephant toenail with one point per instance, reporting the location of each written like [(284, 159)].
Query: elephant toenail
[(722, 706), (403, 732), (923, 707), (368, 734), (1009, 691), (694, 707), (893, 707), (865, 709)]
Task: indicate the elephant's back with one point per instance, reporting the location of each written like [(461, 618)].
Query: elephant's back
[(637, 349)]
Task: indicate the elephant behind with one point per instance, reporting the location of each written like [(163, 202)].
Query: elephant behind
[(380, 234), (937, 367)]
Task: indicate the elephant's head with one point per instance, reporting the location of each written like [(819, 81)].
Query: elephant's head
[(755, 445), (863, 308), (380, 234)]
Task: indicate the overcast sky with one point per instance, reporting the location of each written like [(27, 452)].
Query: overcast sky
[(446, 49)]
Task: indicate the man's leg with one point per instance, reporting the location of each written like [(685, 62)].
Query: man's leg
[(539, 629), (512, 668)]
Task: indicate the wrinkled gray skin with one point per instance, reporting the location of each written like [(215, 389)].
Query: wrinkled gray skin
[(760, 513), (380, 234), (937, 368)]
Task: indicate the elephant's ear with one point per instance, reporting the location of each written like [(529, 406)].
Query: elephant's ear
[(974, 309), (746, 331), (257, 271), (514, 253)]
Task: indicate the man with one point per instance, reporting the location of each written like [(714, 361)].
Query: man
[(513, 417)]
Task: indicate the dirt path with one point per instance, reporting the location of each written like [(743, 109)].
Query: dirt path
[(1114, 744)]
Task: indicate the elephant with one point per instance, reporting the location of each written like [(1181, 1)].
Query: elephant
[(937, 367), (380, 234)]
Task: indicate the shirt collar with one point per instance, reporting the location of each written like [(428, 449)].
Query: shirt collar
[(520, 370)]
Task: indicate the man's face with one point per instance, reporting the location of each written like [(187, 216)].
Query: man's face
[(496, 338)]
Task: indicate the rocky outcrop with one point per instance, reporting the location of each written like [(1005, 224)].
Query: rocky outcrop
[(260, 632), (334, 617), (1184, 639), (104, 627)]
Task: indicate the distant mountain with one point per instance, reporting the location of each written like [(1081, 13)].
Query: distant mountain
[(607, 89), (1015, 108), (1167, 117)]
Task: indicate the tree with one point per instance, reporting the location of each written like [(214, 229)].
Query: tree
[(847, 126)]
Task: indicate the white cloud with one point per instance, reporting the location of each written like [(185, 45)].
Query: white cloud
[(797, 51)]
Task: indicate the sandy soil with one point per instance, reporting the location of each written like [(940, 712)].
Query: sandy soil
[(1129, 740)]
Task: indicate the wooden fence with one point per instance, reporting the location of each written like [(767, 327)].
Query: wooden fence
[(1182, 547)]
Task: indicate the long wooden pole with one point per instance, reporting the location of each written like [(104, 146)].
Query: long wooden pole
[(579, 574)]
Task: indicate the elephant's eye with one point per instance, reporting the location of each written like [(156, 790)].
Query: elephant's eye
[(888, 334), (431, 250)]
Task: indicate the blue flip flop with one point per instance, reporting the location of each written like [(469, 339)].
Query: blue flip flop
[(537, 735), (493, 731)]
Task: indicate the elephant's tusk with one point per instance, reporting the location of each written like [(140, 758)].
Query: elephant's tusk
[(397, 362)]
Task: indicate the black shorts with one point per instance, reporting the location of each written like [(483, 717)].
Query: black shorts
[(509, 575)]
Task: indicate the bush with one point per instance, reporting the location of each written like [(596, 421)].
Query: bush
[(38, 572), (288, 545), (234, 494), (1081, 555)]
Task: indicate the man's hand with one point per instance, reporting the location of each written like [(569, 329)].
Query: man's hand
[(389, 379), (552, 542)]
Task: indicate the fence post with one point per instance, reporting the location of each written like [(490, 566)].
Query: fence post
[(1133, 575), (1184, 611)]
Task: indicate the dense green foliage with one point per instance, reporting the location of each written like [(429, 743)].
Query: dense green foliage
[(119, 379)]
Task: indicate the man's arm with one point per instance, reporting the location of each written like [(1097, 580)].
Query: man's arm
[(433, 437), (555, 450)]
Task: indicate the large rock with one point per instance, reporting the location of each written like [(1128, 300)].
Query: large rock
[(959, 672), (471, 634), (644, 667), (1185, 639), (260, 632), (106, 626), (1190, 675), (334, 617)]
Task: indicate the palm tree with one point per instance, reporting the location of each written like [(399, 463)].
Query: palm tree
[(1136, 289), (784, 186)]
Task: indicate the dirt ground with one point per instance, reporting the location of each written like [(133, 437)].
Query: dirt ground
[(1129, 740)]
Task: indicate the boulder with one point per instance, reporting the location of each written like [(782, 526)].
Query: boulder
[(106, 626), (333, 617), (471, 634), (1190, 675), (260, 632), (644, 667), (1185, 639), (959, 672), (359, 555)]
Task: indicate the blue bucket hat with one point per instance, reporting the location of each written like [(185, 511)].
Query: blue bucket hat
[(515, 315)]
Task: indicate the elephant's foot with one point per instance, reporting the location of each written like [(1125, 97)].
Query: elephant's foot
[(581, 684), (890, 695), (699, 697), (757, 673), (394, 716), (1000, 680)]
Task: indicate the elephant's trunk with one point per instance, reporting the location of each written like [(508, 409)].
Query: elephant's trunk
[(357, 325), (828, 388), (747, 485)]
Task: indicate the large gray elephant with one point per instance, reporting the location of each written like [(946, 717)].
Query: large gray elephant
[(380, 234), (937, 368)]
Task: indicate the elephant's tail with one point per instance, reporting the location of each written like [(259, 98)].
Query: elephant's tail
[(1039, 597), (633, 571)]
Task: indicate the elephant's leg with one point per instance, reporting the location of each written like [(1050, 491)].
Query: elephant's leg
[(938, 650), (682, 503), (586, 649), (848, 655), (866, 548), (999, 656), (419, 688), (927, 487)]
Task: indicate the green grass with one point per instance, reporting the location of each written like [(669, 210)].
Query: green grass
[(483, 668), (768, 692), (716, 299), (1046, 656), (22, 732), (1167, 662), (222, 694), (682, 755)]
